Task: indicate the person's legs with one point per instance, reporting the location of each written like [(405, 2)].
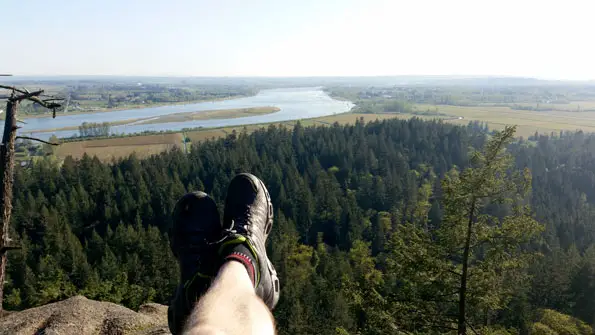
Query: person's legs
[(245, 285), (231, 294)]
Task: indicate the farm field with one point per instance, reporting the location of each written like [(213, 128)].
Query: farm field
[(106, 149), (528, 121)]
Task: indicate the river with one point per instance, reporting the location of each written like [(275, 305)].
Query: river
[(294, 103)]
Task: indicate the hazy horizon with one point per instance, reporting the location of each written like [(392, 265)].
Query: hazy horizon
[(18, 77), (282, 39)]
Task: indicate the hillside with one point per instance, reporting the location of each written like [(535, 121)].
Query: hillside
[(79, 315), (345, 196)]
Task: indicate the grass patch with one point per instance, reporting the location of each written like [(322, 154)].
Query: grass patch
[(528, 121)]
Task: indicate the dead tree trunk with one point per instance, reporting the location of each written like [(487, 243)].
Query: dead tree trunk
[(7, 165), (6, 180)]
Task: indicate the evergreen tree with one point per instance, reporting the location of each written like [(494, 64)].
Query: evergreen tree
[(486, 249), (366, 239)]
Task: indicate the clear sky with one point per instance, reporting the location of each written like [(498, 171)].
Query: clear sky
[(532, 38)]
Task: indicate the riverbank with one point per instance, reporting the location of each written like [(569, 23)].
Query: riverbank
[(232, 113), (132, 106), (292, 103)]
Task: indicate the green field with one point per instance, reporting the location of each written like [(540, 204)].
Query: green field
[(528, 121)]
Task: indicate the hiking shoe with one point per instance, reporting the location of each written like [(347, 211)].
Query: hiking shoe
[(248, 220), (196, 227)]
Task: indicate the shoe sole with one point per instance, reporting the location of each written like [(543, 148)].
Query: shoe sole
[(268, 229)]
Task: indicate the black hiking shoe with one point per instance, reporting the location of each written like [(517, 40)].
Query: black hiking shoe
[(193, 236), (248, 220)]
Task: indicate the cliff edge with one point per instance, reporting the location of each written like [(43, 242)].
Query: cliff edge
[(81, 316)]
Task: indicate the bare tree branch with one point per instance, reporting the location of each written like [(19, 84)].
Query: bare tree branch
[(12, 88), (27, 96), (45, 103), (35, 139), (34, 96)]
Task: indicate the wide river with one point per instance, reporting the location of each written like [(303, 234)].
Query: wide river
[(294, 103)]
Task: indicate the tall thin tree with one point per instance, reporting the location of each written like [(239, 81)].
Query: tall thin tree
[(7, 164), (488, 244)]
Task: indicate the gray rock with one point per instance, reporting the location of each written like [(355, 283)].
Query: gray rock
[(81, 316)]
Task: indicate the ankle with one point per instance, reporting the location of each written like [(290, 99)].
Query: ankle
[(246, 261), (242, 254), (233, 270)]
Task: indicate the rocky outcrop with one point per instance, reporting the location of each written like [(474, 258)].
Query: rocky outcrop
[(81, 316)]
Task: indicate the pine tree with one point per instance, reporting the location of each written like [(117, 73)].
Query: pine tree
[(486, 249)]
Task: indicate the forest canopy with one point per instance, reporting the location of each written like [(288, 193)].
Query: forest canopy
[(358, 210)]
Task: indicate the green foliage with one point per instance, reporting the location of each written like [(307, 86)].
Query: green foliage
[(94, 129), (486, 249), (49, 149), (13, 299), (552, 322), (365, 241), (472, 256), (497, 330)]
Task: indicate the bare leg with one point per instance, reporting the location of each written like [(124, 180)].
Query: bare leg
[(231, 306)]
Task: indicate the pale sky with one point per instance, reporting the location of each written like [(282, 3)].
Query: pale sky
[(531, 38)]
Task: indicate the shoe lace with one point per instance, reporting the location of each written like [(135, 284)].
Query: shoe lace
[(238, 225)]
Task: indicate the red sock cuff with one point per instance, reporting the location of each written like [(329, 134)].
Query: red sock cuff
[(247, 262)]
